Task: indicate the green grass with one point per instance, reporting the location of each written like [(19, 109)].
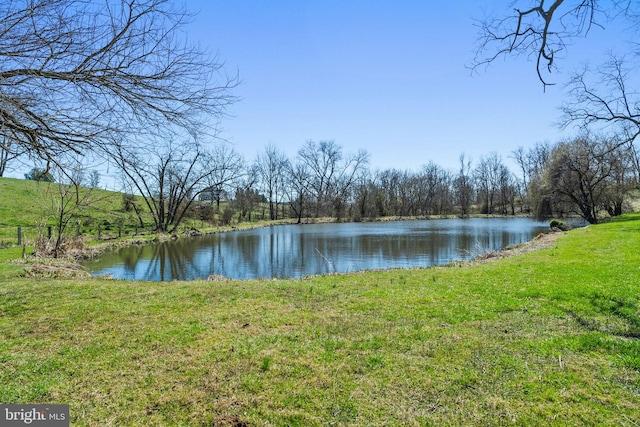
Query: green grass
[(546, 338), (31, 206)]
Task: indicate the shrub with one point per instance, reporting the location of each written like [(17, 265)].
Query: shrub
[(128, 202), (556, 224), (227, 215), (40, 175)]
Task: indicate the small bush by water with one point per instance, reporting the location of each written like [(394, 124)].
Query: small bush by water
[(556, 224)]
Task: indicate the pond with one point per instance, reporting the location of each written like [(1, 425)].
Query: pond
[(293, 251)]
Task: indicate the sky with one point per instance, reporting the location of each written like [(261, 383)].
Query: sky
[(392, 78)]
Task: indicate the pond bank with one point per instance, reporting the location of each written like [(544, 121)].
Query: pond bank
[(294, 251), (79, 251)]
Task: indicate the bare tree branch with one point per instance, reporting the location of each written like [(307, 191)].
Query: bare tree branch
[(542, 31), (75, 73), (606, 101)]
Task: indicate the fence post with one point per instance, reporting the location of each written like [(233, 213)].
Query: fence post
[(19, 235)]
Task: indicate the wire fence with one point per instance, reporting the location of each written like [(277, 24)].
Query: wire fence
[(28, 234), (18, 235)]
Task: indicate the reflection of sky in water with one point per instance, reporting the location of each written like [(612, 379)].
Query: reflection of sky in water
[(301, 250)]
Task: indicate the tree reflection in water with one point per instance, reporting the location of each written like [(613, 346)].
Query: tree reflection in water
[(300, 250)]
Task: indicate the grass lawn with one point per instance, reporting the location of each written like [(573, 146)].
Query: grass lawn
[(34, 205), (550, 337)]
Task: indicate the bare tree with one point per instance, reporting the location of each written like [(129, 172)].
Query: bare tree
[(246, 195), (531, 162), (226, 166), (331, 174), (322, 160), (507, 191), (495, 185), (463, 185), (391, 184), (297, 189), (622, 179), (600, 99), (352, 170), (77, 75), (486, 175), (272, 165), (64, 203), (586, 176), (606, 100), (169, 179), (369, 197), (94, 179), (436, 185)]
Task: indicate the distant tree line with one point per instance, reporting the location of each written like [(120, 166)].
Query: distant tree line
[(587, 176)]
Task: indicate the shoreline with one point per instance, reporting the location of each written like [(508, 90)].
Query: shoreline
[(90, 248), (70, 266), (541, 241)]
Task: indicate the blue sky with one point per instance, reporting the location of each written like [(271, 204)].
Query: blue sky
[(388, 77)]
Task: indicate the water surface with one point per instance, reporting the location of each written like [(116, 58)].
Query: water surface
[(292, 251)]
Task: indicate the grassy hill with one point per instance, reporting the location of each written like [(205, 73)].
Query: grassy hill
[(33, 206)]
